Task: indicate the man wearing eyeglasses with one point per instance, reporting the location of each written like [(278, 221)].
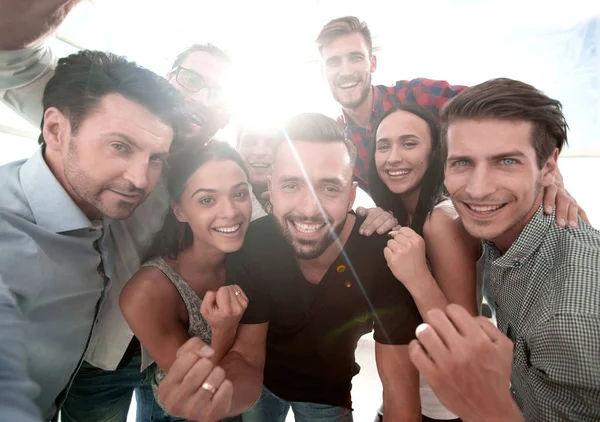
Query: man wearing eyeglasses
[(111, 372)]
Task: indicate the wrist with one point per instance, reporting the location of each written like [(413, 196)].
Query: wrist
[(421, 283), (509, 412)]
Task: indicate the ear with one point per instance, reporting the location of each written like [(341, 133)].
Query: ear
[(352, 196), (373, 63), (179, 214), (56, 130), (549, 169)]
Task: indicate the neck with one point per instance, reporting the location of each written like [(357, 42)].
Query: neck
[(410, 200), (333, 251), (362, 114), (199, 260), (54, 162), (506, 239)]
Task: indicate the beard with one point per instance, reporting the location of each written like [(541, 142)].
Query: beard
[(310, 248), (351, 105)]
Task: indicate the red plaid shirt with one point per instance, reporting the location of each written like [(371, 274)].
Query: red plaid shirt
[(428, 93)]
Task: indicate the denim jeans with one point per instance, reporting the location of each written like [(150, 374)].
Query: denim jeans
[(271, 408), (97, 395)]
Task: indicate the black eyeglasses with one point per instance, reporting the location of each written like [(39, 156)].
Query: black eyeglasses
[(193, 82)]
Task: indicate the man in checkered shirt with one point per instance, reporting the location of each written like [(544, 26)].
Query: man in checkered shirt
[(502, 139)]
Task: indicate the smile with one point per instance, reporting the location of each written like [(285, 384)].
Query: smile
[(228, 230), (307, 228), (348, 85), (260, 165), (397, 172)]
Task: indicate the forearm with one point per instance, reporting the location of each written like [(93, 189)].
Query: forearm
[(398, 407), (247, 379), (427, 295), (221, 343)]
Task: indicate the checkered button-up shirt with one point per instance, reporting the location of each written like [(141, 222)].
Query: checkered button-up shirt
[(428, 93), (546, 290)]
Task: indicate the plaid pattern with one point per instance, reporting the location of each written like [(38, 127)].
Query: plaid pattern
[(428, 93), (546, 291)]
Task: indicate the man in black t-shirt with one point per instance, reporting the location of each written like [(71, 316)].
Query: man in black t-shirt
[(315, 286)]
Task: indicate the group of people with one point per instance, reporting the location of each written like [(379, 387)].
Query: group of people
[(138, 254)]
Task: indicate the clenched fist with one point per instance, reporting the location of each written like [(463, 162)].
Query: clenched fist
[(224, 308)]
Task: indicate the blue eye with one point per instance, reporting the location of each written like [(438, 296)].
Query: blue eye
[(509, 161), (460, 163)]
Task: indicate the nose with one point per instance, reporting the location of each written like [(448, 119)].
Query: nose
[(137, 173), (395, 156), (308, 204), (200, 97), (480, 183), (262, 149), (228, 209)]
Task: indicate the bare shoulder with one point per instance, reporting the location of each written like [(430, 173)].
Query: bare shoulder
[(149, 286), (443, 225)]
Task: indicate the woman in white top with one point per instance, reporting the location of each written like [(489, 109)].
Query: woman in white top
[(406, 176)]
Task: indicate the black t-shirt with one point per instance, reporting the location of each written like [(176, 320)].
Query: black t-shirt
[(314, 329)]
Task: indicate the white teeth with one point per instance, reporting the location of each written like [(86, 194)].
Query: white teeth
[(485, 208), (261, 166), (307, 228), (348, 85), (398, 172), (231, 229)]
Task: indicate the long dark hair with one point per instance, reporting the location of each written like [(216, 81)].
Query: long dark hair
[(432, 185), (176, 236)]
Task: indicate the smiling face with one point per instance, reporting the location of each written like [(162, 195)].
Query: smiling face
[(216, 204), (348, 66), (493, 178), (256, 148), (326, 166), (402, 151), (113, 161)]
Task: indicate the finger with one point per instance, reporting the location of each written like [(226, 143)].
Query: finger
[(384, 223), (241, 295), (388, 254), (463, 321), (362, 211), (407, 232), (171, 386), (366, 227), (393, 245), (196, 346), (432, 343), (563, 202), (442, 325), (420, 359), (238, 303), (494, 334), (220, 405), (550, 198), (572, 216), (200, 399), (224, 299), (208, 303), (583, 215)]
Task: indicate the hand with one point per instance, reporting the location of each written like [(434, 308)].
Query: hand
[(467, 362), (405, 255), (23, 22), (567, 208), (377, 220), (224, 308), (194, 388)]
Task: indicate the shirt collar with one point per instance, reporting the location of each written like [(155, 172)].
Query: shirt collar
[(527, 243), (52, 207)]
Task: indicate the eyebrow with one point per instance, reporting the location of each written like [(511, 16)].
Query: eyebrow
[(401, 138), (210, 190), (496, 157)]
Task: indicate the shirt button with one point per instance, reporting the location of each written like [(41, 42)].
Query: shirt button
[(516, 264)]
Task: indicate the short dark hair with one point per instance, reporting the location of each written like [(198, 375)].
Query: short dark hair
[(175, 236), (431, 185), (508, 99), (344, 26), (314, 127), (82, 79), (207, 48)]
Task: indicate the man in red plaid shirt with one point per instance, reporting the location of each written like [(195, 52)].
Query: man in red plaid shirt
[(346, 49)]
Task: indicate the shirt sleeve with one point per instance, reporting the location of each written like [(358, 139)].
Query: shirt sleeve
[(428, 93), (236, 270), (23, 77), (17, 390), (565, 368), (396, 316)]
